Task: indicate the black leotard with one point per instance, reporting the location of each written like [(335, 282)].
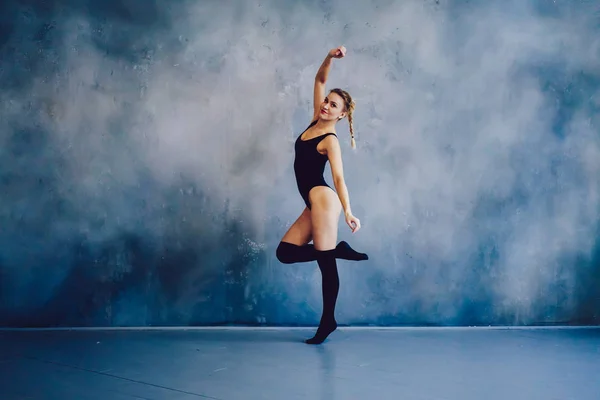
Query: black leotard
[(309, 164)]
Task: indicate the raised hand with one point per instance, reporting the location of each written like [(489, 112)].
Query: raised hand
[(338, 52)]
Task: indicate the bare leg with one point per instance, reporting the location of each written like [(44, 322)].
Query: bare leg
[(326, 210), (325, 216), (294, 247), (300, 233)]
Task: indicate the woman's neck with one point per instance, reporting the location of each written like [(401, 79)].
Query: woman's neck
[(325, 125)]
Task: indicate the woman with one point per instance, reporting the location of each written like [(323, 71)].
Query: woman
[(319, 220)]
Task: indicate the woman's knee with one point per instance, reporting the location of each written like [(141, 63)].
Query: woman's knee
[(285, 252), (288, 253)]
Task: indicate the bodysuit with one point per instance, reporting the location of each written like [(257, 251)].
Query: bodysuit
[(309, 164)]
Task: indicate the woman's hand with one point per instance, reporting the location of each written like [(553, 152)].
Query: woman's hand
[(353, 222), (338, 52)]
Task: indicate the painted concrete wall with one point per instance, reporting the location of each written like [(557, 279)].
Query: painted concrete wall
[(146, 154)]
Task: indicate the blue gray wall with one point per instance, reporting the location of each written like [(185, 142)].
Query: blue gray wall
[(146, 161)]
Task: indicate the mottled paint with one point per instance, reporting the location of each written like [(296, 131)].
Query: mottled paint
[(146, 154)]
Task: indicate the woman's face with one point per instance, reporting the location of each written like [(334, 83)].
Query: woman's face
[(332, 108)]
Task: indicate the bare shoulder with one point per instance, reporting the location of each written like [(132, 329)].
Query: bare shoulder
[(331, 139), (329, 144)]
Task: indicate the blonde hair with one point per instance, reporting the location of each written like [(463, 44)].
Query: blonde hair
[(349, 106)]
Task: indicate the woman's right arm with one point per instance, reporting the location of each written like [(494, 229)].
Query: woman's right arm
[(321, 78), (319, 91)]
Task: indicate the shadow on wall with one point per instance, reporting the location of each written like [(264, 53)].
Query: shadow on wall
[(588, 286), (185, 278), (120, 30)]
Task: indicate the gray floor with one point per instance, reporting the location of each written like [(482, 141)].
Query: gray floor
[(412, 363)]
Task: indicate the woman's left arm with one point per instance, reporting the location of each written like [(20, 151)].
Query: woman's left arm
[(334, 154)]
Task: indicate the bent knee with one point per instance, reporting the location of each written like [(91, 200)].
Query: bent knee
[(284, 253)]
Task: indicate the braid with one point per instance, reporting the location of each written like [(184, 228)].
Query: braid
[(349, 106), (350, 111)]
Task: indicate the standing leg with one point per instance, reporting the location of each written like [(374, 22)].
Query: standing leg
[(325, 214)]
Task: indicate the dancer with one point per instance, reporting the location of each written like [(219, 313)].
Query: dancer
[(319, 220)]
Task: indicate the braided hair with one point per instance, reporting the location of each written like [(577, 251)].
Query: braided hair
[(349, 106)]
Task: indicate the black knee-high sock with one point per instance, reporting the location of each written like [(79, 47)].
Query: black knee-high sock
[(330, 288), (288, 253)]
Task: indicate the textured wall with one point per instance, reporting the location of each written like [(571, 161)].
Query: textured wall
[(146, 154)]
